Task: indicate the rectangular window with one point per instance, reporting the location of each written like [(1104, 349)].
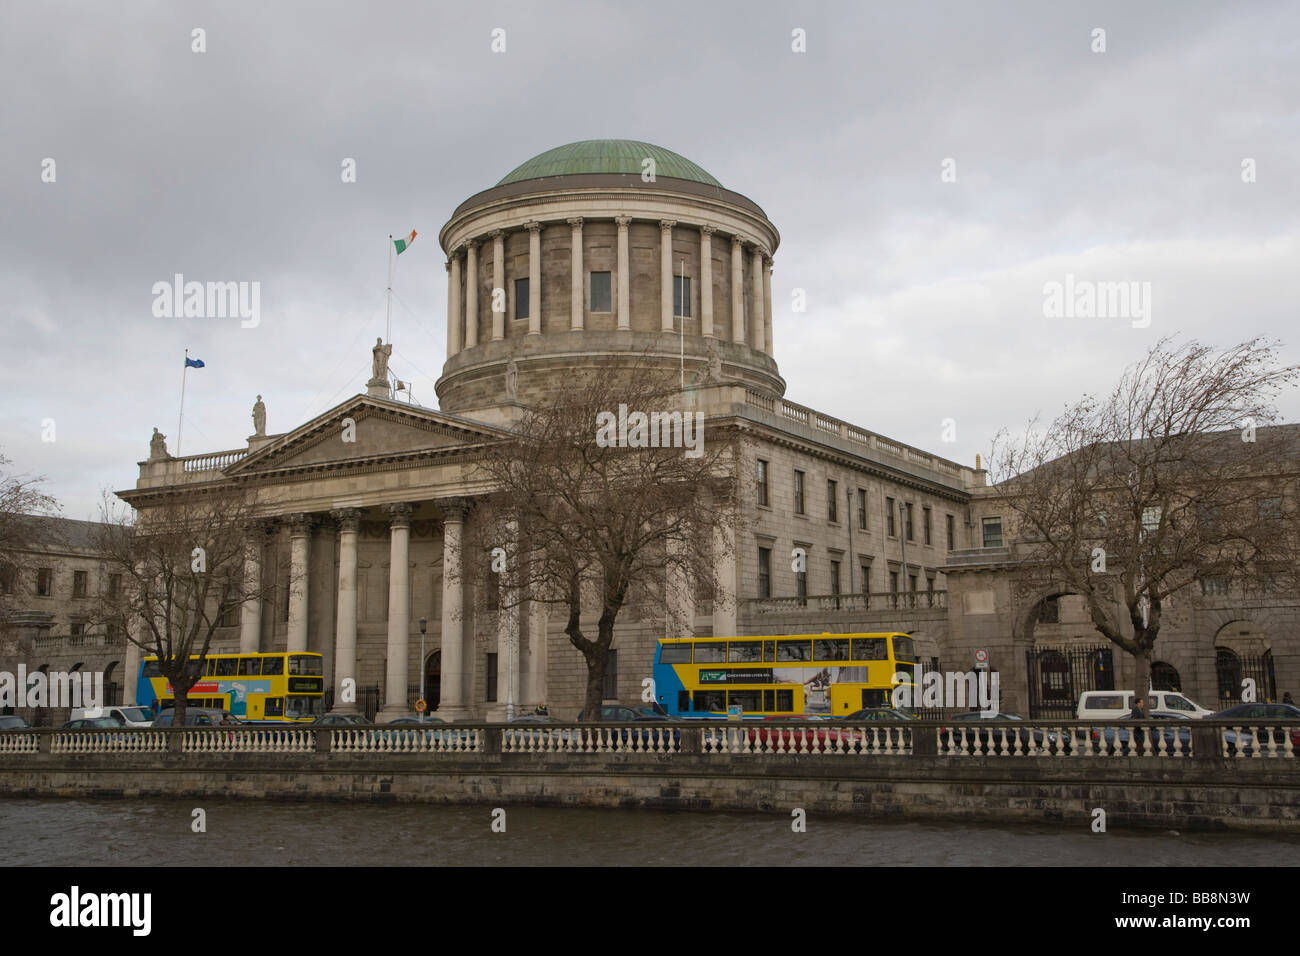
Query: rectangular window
[(600, 292), (835, 578), (798, 493), (78, 584), (675, 654), (794, 650), (925, 526), (801, 587), (710, 652), (272, 666), (1266, 509), (491, 678), (865, 569), (682, 296), (77, 629), (250, 667), (227, 666), (521, 298), (992, 532), (611, 676), (862, 509), (832, 649), (893, 582), (889, 518), (762, 482), (870, 649), (952, 532), (908, 519), (832, 500), (45, 582), (745, 652), (765, 572), (114, 585), (911, 579), (229, 606), (1214, 585)]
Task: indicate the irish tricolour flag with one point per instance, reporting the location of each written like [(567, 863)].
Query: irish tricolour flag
[(403, 244)]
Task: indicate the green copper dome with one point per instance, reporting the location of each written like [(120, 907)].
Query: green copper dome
[(607, 156)]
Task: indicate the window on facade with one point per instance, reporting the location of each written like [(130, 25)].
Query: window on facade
[(762, 482), (682, 296), (764, 572), (832, 500), (114, 585), (521, 298), (889, 517), (908, 519), (230, 606), (992, 532), (45, 582), (611, 676), (893, 582), (1049, 612), (76, 629), (1214, 585), (865, 568), (491, 679), (78, 584), (600, 292), (801, 586), (798, 493), (952, 532), (835, 578), (925, 525), (911, 580), (862, 509)]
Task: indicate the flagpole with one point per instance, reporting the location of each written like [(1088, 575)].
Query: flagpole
[(388, 331), (180, 421)]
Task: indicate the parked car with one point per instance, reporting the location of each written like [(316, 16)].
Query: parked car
[(341, 720), (1112, 738), (129, 716), (12, 722), (887, 715), (617, 713), (816, 737), (93, 723), (197, 717), (1254, 712), (1117, 704)]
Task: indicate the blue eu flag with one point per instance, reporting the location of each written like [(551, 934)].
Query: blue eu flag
[(193, 363)]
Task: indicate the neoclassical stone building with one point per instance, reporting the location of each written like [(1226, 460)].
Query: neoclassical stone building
[(598, 252)]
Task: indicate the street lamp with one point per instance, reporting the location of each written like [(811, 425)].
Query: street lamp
[(424, 625)]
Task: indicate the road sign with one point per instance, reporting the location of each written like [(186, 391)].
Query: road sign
[(982, 659), (421, 706)]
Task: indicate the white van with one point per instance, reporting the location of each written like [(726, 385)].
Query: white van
[(129, 716), (1116, 704)]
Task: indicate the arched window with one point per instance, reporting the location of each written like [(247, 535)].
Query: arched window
[(1164, 676), (1228, 668)]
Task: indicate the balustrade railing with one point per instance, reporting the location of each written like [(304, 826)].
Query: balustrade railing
[(1226, 743)]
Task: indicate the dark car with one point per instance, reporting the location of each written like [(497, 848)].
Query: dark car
[(1176, 739), (92, 723), (640, 739), (617, 712), (197, 717), (342, 720), (1250, 714), (885, 715), (12, 722)]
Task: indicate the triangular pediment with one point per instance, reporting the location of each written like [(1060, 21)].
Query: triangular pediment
[(366, 429)]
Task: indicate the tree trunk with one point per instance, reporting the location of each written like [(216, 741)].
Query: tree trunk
[(1142, 673), (596, 661)]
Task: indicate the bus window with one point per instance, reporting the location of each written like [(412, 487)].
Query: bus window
[(152, 669), (300, 706), (785, 700), (250, 666), (275, 706), (769, 650), (875, 697), (710, 700), (304, 664), (675, 654), (209, 667), (769, 700), (683, 701), (745, 652), (831, 649), (707, 652), (794, 650), (272, 666), (226, 666), (869, 649), (749, 700), (903, 648)]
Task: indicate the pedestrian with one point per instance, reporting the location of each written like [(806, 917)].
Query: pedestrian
[(1286, 699), (1139, 712)]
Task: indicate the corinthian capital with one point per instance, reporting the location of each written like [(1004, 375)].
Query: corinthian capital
[(399, 514), (347, 519), (623, 221)]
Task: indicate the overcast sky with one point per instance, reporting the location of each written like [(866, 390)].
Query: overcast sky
[(924, 298)]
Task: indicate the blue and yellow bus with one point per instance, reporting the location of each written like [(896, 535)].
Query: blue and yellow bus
[(832, 674), (271, 688)]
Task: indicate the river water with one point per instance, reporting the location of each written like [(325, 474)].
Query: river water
[(77, 832)]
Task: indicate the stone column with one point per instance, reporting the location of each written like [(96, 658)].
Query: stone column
[(451, 701), (537, 617), (455, 325), (576, 303), (679, 606), (299, 553), (507, 702), (471, 293), (534, 277), (131, 669), (399, 609), (250, 614), (757, 320), (706, 280), (498, 282), (724, 602), (624, 274), (345, 635), (767, 302), (737, 291), (666, 274)]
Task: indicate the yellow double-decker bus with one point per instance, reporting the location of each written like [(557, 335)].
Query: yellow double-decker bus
[(271, 688), (832, 674)]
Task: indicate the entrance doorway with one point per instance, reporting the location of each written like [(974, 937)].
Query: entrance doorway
[(433, 678)]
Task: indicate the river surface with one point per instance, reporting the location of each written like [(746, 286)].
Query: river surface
[(241, 833)]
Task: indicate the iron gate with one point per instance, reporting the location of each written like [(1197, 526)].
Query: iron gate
[(1058, 675)]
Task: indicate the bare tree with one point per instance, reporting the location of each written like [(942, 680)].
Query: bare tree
[(1172, 479), (182, 568), (20, 499), (595, 518)]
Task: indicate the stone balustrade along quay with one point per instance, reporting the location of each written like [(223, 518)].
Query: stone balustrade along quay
[(1198, 775)]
